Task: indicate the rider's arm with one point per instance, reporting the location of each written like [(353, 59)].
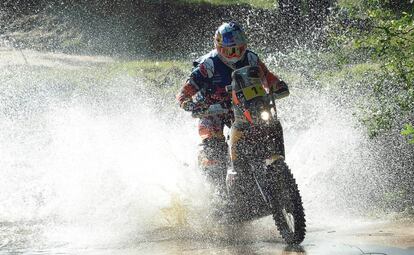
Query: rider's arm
[(279, 87), (202, 74), (184, 97)]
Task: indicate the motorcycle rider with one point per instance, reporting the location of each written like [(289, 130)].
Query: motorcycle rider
[(206, 86)]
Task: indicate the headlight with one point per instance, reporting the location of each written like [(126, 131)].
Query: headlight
[(265, 116)]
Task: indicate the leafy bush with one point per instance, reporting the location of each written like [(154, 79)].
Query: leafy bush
[(409, 132), (384, 32)]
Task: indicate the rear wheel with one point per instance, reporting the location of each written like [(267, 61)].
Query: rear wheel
[(286, 203)]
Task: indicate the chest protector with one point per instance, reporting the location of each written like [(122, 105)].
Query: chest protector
[(210, 76)]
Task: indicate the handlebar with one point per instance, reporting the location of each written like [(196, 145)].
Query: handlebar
[(214, 109)]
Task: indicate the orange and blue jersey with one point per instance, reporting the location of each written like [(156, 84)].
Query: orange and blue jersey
[(210, 78)]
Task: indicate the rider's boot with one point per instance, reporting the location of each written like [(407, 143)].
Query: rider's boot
[(213, 157), (239, 180), (212, 160)]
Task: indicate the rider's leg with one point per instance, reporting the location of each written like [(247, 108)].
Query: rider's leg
[(213, 152), (239, 164)]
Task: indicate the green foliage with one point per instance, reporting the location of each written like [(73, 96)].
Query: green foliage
[(161, 76), (73, 43), (392, 43), (408, 131), (158, 73), (384, 32)]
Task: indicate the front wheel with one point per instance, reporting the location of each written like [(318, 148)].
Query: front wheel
[(286, 203)]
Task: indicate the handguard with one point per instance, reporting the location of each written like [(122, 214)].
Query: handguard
[(281, 90)]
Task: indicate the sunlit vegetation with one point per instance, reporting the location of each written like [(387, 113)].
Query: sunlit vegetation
[(161, 74), (408, 131), (383, 32)]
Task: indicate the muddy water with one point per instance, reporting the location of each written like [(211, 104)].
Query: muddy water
[(90, 165)]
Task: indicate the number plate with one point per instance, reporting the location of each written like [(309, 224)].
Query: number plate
[(253, 91)]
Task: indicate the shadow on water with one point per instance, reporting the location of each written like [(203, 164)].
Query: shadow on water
[(249, 250), (228, 240), (294, 249), (253, 248)]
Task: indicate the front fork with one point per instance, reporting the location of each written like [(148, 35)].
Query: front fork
[(242, 146)]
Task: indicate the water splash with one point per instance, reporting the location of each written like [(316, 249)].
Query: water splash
[(94, 160), (97, 155)]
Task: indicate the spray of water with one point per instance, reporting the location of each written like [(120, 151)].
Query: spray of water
[(92, 160), (96, 156)]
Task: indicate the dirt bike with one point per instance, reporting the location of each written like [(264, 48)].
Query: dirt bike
[(259, 182)]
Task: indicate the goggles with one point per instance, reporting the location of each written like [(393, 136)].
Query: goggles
[(232, 52)]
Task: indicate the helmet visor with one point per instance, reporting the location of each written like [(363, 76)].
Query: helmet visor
[(232, 52)]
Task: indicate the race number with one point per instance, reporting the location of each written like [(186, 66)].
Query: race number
[(253, 91)]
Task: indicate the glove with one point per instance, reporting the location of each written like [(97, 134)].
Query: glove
[(193, 107), (188, 106), (281, 90)]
